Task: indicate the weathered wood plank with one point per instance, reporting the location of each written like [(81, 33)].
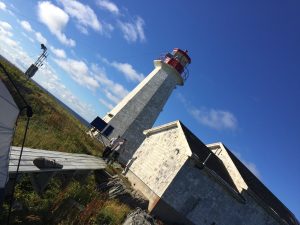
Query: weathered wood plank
[(16, 150), (68, 160)]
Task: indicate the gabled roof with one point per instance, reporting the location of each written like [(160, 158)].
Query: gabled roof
[(263, 192), (198, 149), (215, 164), (256, 186), (205, 154)]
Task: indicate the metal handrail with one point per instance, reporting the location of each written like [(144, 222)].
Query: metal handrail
[(185, 72)]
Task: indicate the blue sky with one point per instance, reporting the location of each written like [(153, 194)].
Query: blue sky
[(244, 79)]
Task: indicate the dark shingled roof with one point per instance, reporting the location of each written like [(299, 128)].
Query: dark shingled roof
[(215, 164), (202, 151), (263, 192)]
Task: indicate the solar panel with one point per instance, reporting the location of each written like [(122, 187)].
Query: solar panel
[(99, 123), (108, 130)]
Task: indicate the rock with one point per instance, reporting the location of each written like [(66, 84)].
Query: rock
[(46, 163), (117, 188), (69, 208), (139, 217), (17, 206)]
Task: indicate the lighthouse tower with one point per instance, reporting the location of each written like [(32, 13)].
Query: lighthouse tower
[(139, 110)]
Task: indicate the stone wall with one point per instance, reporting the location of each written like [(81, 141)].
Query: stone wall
[(198, 196), (139, 110), (157, 161), (179, 192), (222, 154)]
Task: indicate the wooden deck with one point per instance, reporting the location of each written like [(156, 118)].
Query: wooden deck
[(70, 161)]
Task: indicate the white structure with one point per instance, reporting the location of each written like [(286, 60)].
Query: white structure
[(75, 165), (187, 182), (9, 112), (140, 108)]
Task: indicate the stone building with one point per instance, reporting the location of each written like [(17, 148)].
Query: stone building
[(188, 182)]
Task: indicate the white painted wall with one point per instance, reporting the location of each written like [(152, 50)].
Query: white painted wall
[(139, 110), (222, 154), (204, 201), (158, 160)]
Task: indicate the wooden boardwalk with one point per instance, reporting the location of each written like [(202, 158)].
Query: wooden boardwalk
[(76, 166), (70, 161)]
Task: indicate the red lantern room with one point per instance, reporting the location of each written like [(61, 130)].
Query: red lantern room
[(179, 60)]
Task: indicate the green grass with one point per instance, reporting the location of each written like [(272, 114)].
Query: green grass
[(51, 127), (57, 206), (54, 128)]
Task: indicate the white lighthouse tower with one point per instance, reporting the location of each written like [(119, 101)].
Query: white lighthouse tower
[(139, 110)]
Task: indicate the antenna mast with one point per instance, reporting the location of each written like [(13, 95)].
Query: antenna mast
[(38, 63)]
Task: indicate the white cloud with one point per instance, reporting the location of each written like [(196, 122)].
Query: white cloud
[(129, 72), (55, 19), (8, 41), (133, 31), (16, 55), (84, 15), (126, 69), (106, 104), (40, 38), (108, 5), (60, 53), (92, 79), (113, 91), (79, 72), (46, 75), (213, 118), (2, 6), (112, 97), (250, 165), (29, 38), (139, 27), (26, 25), (5, 26), (6, 34), (109, 27), (82, 29), (216, 119), (49, 80), (11, 49)]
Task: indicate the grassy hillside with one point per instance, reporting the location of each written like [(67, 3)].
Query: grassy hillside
[(51, 127), (54, 128)]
